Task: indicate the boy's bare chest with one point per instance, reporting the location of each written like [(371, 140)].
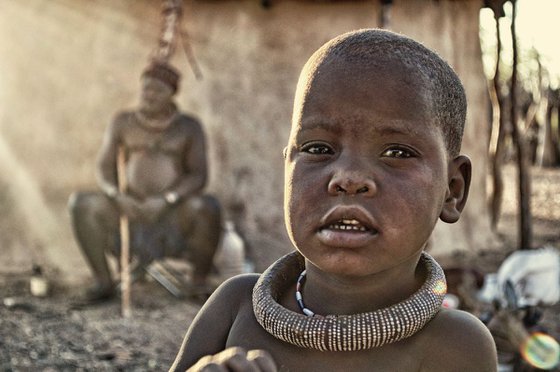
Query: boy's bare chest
[(402, 356)]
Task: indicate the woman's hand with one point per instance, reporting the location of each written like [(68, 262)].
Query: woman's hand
[(152, 208), (128, 206), (236, 359)]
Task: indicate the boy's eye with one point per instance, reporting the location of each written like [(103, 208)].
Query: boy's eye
[(316, 149), (399, 153)]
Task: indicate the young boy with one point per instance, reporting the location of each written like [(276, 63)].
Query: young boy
[(371, 164)]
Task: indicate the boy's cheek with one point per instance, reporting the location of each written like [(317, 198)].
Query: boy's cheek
[(303, 183)]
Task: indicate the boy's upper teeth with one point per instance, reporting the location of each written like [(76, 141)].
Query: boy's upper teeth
[(348, 224)]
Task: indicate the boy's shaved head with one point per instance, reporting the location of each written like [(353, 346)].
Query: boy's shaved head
[(384, 50)]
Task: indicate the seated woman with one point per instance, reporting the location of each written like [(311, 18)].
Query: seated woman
[(165, 169)]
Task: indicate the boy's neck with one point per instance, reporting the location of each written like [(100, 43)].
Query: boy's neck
[(325, 294)]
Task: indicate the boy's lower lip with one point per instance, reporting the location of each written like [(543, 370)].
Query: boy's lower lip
[(345, 239)]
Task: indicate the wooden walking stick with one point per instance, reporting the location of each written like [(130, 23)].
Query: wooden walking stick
[(124, 229)]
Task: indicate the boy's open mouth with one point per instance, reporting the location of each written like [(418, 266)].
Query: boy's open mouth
[(347, 224), (348, 218)]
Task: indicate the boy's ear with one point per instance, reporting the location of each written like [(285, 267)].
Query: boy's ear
[(457, 189), (285, 152)]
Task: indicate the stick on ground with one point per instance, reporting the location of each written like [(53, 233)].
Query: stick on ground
[(125, 239)]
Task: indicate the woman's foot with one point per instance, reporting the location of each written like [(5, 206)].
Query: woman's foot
[(96, 294)]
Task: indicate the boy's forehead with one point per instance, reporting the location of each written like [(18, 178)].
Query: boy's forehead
[(393, 89), (370, 69)]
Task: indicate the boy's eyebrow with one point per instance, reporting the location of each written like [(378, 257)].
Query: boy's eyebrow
[(393, 130), (311, 125), (380, 129)]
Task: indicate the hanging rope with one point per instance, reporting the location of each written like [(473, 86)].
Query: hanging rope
[(171, 34), (171, 13), (190, 55)]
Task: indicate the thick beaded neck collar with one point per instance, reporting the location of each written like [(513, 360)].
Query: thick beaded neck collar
[(344, 332)]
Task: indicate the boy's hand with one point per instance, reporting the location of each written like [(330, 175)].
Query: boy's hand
[(236, 359)]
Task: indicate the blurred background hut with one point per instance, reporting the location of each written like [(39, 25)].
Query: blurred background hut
[(68, 66)]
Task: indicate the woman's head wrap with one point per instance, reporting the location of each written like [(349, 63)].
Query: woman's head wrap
[(164, 72)]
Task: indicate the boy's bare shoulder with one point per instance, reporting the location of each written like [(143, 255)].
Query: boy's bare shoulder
[(223, 306), (457, 340), (240, 282), (209, 331), (239, 287)]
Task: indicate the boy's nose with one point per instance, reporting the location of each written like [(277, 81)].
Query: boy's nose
[(351, 183)]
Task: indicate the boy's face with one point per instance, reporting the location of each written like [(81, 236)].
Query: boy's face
[(366, 170)]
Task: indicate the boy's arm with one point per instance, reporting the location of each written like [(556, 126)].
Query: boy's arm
[(461, 342), (208, 333)]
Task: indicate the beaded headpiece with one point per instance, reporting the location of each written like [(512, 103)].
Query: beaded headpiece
[(344, 332)]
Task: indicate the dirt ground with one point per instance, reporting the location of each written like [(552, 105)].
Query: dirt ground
[(47, 334)]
